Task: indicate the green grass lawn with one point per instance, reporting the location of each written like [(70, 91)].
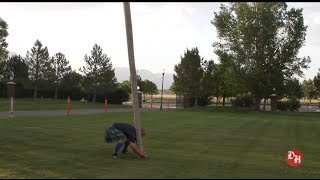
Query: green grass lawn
[(25, 104), (194, 143)]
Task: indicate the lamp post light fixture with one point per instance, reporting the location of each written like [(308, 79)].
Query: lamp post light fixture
[(162, 89)]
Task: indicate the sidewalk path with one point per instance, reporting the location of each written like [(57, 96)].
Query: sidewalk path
[(64, 112)]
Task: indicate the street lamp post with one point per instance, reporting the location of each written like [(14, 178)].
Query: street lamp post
[(162, 89), (139, 97), (273, 102)]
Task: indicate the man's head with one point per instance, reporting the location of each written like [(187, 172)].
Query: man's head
[(143, 131)]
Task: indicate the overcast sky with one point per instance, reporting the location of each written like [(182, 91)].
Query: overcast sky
[(161, 31)]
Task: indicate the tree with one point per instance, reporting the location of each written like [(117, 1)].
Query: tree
[(125, 85), (227, 79), (60, 67), (309, 90), (72, 84), (293, 89), (207, 83), (189, 73), (98, 71), (15, 67), (3, 45), (148, 87), (263, 40), (3, 36), (37, 60), (316, 82), (173, 89), (225, 83)]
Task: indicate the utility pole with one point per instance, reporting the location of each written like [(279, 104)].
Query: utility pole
[(133, 72)]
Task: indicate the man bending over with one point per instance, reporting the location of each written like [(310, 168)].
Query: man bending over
[(125, 135)]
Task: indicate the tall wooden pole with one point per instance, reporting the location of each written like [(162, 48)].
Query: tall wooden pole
[(133, 72)]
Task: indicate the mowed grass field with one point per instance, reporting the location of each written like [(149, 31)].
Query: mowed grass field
[(28, 104), (194, 143)]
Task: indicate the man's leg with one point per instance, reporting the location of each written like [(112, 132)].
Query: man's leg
[(117, 148), (125, 147)]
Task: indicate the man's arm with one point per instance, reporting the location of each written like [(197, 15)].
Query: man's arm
[(136, 150)]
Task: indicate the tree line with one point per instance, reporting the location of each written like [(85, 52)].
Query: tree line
[(41, 75), (257, 53)]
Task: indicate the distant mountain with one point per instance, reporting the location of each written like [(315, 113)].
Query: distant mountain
[(123, 73)]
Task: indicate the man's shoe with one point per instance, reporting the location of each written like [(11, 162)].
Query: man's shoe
[(114, 156)]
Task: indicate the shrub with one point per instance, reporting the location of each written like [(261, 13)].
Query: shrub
[(204, 100), (294, 104), (291, 104), (282, 105), (116, 96), (245, 100)]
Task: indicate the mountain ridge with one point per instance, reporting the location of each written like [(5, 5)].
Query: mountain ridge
[(123, 73)]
